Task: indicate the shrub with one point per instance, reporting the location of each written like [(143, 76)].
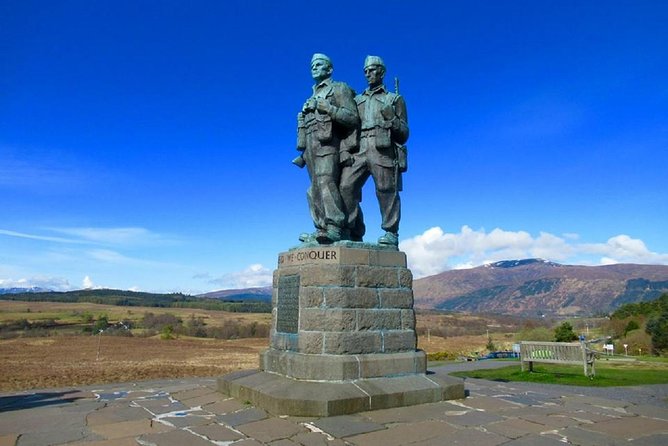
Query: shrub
[(632, 325), (657, 328), (159, 321), (564, 333)]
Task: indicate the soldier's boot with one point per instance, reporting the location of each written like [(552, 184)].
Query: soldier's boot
[(306, 237), (329, 236), (390, 238)]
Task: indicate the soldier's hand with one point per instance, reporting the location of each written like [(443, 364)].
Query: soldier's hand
[(324, 106), (388, 112), (309, 105), (346, 159)]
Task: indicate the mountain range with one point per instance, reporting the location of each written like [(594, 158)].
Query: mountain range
[(535, 287), (528, 287)]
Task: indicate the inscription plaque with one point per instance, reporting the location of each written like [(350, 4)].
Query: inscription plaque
[(287, 304)]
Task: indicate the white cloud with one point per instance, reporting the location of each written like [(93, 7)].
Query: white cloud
[(38, 237), (624, 249), (126, 236), (255, 275), (113, 236), (435, 251), (87, 283)]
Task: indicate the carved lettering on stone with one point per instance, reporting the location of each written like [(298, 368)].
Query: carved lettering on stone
[(287, 304)]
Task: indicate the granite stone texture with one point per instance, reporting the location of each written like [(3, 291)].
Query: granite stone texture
[(342, 338)]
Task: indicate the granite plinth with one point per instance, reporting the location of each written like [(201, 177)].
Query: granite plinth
[(342, 367), (280, 395), (342, 337)]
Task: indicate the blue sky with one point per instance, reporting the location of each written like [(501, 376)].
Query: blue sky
[(147, 144)]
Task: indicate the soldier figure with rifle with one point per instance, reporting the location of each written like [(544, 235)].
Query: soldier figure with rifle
[(381, 154)]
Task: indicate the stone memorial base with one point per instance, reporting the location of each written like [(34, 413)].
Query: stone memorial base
[(342, 338)]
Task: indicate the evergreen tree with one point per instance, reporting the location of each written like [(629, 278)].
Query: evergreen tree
[(565, 333)]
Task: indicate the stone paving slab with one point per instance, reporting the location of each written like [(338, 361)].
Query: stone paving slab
[(116, 414), (128, 441), (490, 403), (225, 406), (129, 429), (246, 415), (189, 413), (217, 432), (515, 428), (175, 438), (630, 427), (271, 429), (346, 425), (404, 434)]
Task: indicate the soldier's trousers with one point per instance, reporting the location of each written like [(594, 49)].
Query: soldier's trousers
[(369, 162), (323, 195)]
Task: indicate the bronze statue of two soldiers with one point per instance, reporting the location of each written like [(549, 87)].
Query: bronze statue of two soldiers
[(345, 138)]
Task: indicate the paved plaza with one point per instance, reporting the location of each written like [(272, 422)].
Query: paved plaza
[(190, 412)]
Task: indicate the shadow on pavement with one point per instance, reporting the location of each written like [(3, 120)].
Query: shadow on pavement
[(39, 399)]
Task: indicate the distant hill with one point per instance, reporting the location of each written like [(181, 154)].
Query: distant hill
[(142, 299), (22, 290), (260, 294), (532, 287)]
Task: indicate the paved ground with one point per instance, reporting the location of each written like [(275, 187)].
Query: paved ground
[(191, 413)]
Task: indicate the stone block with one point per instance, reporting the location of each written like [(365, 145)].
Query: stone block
[(399, 341), (387, 258), (407, 320), (354, 256), (271, 361), (328, 319), (377, 277), (339, 297), (310, 342), (283, 341), (396, 298), (285, 271), (327, 255), (392, 364), (310, 297), (347, 343), (376, 319), (328, 275), (405, 278)]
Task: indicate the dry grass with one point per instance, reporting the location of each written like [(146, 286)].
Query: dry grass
[(72, 312), (60, 361)]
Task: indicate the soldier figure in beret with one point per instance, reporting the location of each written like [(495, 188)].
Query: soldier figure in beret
[(326, 126), (381, 154)]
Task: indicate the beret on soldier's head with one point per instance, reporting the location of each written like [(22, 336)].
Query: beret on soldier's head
[(320, 56), (373, 60)]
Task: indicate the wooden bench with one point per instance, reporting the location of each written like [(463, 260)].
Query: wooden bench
[(558, 353)]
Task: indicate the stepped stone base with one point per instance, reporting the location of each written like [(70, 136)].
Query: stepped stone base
[(342, 367), (280, 395), (342, 337)]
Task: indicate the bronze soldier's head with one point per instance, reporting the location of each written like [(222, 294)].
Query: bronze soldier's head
[(321, 67), (374, 70)]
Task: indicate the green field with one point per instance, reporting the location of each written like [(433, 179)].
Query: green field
[(608, 373)]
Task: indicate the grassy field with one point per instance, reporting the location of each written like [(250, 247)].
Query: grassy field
[(62, 355), (608, 373), (76, 313), (63, 361)]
